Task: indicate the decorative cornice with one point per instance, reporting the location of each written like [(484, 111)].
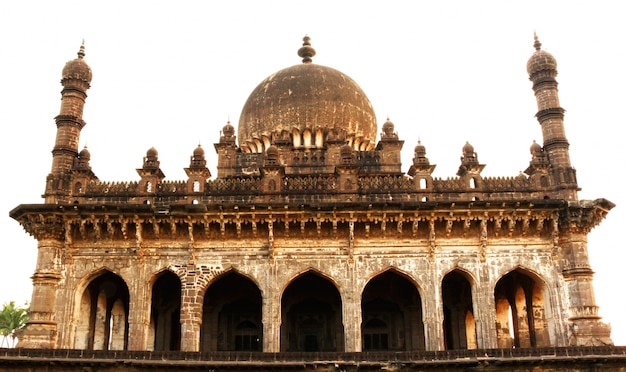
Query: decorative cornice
[(581, 217)]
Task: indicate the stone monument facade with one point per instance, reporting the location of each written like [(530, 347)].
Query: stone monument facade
[(311, 237)]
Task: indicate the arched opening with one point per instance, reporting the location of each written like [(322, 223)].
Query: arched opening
[(458, 312), (102, 314), (319, 138), (311, 315), (307, 137), (231, 315), (165, 312), (391, 314), (297, 138), (520, 311), (196, 186), (423, 184)]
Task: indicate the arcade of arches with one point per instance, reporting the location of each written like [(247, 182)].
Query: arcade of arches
[(311, 308)]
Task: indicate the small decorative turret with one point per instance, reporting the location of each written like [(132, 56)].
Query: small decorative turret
[(75, 78), (197, 172), (421, 170), (151, 160), (470, 168), (388, 131), (81, 173), (197, 159), (539, 168), (542, 72), (82, 162), (469, 161), (226, 152), (228, 134), (151, 173)]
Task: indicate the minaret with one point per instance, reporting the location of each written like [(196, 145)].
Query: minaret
[(542, 72), (76, 77)]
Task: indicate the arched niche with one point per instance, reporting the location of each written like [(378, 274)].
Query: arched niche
[(101, 314), (165, 312), (521, 310), (458, 321), (391, 309), (231, 315), (311, 311)]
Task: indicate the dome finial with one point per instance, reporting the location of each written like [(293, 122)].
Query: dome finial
[(537, 42), (81, 51), (306, 52)]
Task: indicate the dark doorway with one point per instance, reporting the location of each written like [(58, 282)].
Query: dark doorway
[(311, 312), (459, 325), (391, 314), (165, 315), (231, 315)]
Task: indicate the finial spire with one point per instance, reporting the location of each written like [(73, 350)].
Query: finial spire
[(306, 52), (537, 42), (81, 51)]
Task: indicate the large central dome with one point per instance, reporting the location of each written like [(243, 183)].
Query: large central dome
[(307, 96)]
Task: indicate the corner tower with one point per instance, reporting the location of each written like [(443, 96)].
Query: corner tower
[(76, 77), (542, 72)]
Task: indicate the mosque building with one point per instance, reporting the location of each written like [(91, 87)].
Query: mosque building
[(311, 237)]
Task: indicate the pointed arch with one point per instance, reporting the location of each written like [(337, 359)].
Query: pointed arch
[(458, 322), (165, 331), (391, 308), (231, 314), (314, 270), (311, 309), (267, 142), (258, 144), (101, 312), (296, 137), (319, 138), (307, 138), (521, 309)]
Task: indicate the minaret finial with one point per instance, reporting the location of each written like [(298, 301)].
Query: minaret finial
[(306, 52), (81, 51), (537, 42)]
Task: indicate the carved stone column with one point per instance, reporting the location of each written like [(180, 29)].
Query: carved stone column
[(41, 328), (484, 311), (433, 316), (578, 219), (352, 313), (271, 315)]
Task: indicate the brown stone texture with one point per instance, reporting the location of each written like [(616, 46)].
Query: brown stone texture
[(311, 239)]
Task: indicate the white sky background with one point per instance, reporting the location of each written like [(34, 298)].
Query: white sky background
[(170, 75)]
